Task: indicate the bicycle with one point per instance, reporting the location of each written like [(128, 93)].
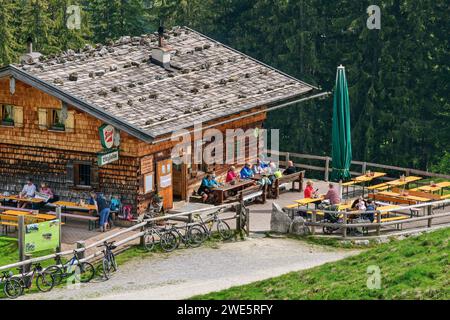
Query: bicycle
[(222, 226), (82, 271), (11, 286), (192, 237), (44, 280), (167, 240), (109, 259)]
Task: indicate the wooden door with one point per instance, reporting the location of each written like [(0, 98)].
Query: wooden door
[(165, 182), (179, 175)]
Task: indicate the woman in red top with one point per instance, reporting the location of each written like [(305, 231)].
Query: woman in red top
[(309, 190), (231, 175)]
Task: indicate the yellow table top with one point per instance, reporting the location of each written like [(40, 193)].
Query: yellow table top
[(365, 178), (419, 199), (47, 217), (309, 200), (386, 208), (444, 184), (389, 193), (17, 198), (430, 188), (75, 205), (408, 179), (17, 213)]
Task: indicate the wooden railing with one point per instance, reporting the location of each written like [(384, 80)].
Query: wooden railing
[(326, 168), (81, 248), (429, 216)]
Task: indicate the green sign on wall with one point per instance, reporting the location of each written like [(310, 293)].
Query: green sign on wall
[(42, 236)]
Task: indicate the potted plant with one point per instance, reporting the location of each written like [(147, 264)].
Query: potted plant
[(58, 127), (8, 122)]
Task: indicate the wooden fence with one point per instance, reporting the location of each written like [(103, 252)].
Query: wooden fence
[(82, 248), (326, 168), (429, 216)]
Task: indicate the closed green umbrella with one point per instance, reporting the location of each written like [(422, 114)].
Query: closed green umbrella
[(342, 141)]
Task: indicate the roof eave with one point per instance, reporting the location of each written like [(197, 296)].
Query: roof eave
[(66, 97)]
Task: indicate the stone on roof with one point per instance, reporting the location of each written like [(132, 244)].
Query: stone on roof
[(120, 79)]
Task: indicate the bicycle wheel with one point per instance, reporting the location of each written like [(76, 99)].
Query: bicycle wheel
[(224, 230), (149, 241), (85, 272), (195, 236), (57, 273), (45, 281), (112, 259), (106, 268), (13, 288), (169, 241)]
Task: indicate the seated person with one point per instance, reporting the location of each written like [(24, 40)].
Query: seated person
[(232, 176), (265, 180), (45, 189), (247, 172), (332, 195), (259, 167), (115, 204), (208, 183), (290, 169), (28, 191), (309, 190), (370, 207)]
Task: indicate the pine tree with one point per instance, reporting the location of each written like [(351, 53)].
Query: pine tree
[(7, 41)]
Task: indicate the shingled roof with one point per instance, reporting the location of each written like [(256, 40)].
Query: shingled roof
[(208, 80)]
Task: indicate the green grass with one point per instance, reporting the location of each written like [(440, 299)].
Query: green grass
[(9, 251), (415, 268)]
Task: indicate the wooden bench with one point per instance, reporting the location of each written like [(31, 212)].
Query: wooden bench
[(92, 221), (284, 180), (253, 193), (7, 221)]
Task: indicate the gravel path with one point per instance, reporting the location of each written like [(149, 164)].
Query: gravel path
[(185, 273)]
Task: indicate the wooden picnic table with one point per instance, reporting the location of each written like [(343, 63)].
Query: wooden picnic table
[(445, 184), (400, 182), (17, 213), (367, 178), (73, 206), (430, 189), (220, 192), (20, 199), (307, 201), (404, 197)]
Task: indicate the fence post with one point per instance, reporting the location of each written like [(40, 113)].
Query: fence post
[(313, 220), (378, 223), (81, 245), (21, 237), (26, 267), (247, 220), (364, 168), (142, 238), (344, 231), (327, 168), (238, 218), (288, 157), (58, 216), (430, 213)]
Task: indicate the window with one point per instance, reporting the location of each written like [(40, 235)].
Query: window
[(7, 115), (84, 175), (57, 121)]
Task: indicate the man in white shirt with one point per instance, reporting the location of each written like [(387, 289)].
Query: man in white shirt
[(28, 191)]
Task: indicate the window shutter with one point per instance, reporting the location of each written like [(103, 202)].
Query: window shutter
[(94, 177), (43, 119), (70, 179), (18, 116), (70, 121)]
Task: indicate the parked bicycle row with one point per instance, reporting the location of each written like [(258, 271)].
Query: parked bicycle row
[(168, 236)]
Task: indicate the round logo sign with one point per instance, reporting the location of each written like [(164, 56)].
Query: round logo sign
[(107, 133)]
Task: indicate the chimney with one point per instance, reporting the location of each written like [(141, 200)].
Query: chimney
[(161, 54), (30, 57), (29, 45)]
